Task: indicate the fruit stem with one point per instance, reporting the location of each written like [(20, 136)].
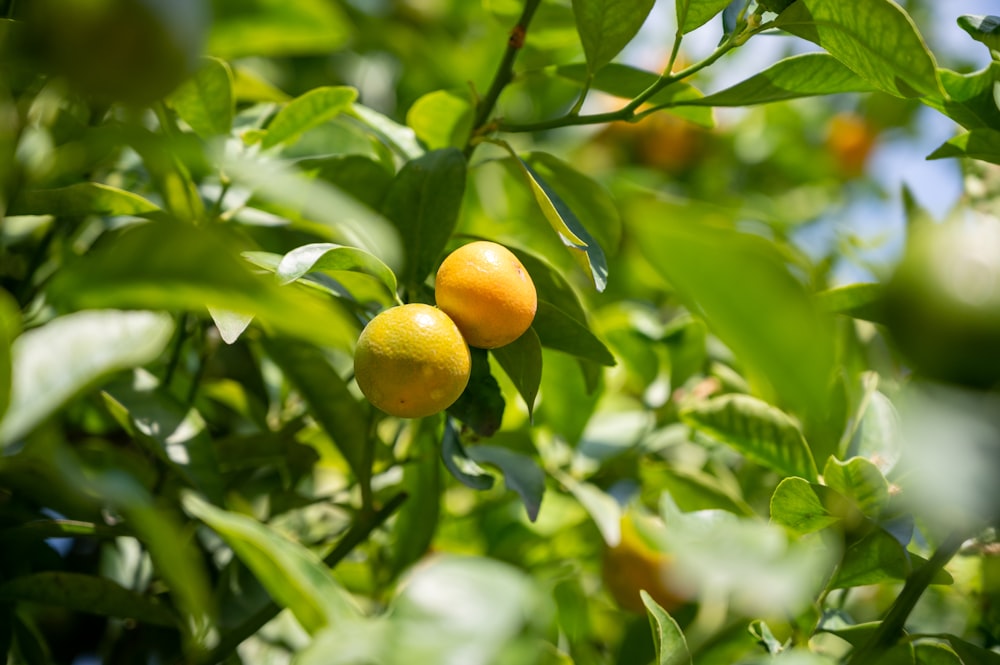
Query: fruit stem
[(357, 534), (891, 628), (504, 73)]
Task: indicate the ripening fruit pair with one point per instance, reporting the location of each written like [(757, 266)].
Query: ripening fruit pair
[(413, 360)]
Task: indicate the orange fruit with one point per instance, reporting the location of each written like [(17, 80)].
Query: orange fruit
[(633, 565), (411, 361), (489, 294), (850, 139)]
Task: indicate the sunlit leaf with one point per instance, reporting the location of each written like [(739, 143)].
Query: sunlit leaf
[(804, 75), (521, 360), (693, 14), (177, 266), (985, 29), (876, 39), (795, 505), (328, 256), (86, 593), (607, 26), (230, 324), (603, 508), (441, 119), (981, 144), (176, 434), (293, 576), (757, 430), (970, 99), (79, 200), (52, 363), (277, 28), (671, 647), (400, 138), (520, 473), (860, 480), (303, 113), (205, 101), (424, 202)]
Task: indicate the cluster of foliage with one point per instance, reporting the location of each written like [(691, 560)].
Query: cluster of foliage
[(204, 203)]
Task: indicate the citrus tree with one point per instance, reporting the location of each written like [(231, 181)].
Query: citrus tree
[(522, 331)]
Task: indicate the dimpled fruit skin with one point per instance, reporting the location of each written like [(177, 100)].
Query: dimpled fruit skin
[(411, 361), (489, 294)]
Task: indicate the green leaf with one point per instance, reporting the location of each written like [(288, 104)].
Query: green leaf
[(177, 266), (757, 430), (324, 256), (458, 462), (342, 417), (293, 576), (86, 593), (602, 507), (551, 285), (176, 434), (805, 75), (982, 144), (520, 473), (205, 101), (972, 653), (274, 28), (557, 330), (606, 26), (307, 111), (796, 506), (581, 245), (79, 200), (878, 557), (628, 82), (692, 489), (671, 647), (521, 360), (366, 180), (417, 520), (935, 653), (861, 481), (424, 202), (589, 199), (231, 325), (400, 138), (774, 326), (441, 119), (481, 405), (52, 363), (971, 98), (875, 39), (693, 14), (10, 326), (860, 301), (985, 29), (879, 434)]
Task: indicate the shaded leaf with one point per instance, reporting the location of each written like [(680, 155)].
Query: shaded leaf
[(293, 576), (342, 417), (52, 363), (970, 99), (417, 520), (400, 138), (10, 325), (86, 593), (805, 75), (602, 507), (79, 200), (205, 101), (879, 557), (521, 360), (757, 430), (972, 653), (607, 26), (366, 179), (671, 647), (458, 462), (876, 39), (557, 330), (861, 301), (796, 506), (307, 111), (325, 256), (441, 119), (481, 405), (520, 473), (423, 202), (983, 144)]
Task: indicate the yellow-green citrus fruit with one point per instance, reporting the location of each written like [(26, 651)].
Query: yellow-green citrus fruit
[(633, 565), (411, 361), (489, 294)]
